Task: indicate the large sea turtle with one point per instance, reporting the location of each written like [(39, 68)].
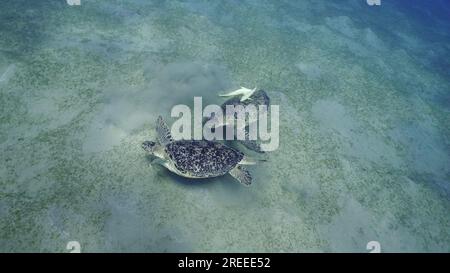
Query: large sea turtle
[(197, 158)]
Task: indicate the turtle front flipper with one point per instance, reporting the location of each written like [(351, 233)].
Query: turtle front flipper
[(241, 175), (164, 136)]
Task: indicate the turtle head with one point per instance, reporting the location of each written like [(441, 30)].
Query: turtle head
[(149, 146)]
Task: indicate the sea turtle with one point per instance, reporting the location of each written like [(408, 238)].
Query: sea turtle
[(197, 158), (256, 99), (251, 97)]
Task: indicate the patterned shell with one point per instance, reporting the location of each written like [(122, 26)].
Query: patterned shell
[(202, 158)]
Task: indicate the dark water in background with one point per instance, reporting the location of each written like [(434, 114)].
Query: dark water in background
[(364, 95)]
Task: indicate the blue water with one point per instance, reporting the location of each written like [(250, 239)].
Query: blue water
[(364, 96)]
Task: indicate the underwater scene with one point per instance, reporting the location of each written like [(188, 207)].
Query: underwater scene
[(363, 159)]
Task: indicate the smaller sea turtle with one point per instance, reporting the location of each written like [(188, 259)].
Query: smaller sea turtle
[(256, 99), (249, 97), (197, 158)]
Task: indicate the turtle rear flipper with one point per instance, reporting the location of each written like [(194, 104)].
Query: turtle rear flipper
[(241, 175), (164, 136)]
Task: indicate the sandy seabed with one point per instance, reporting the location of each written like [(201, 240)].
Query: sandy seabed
[(364, 95)]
